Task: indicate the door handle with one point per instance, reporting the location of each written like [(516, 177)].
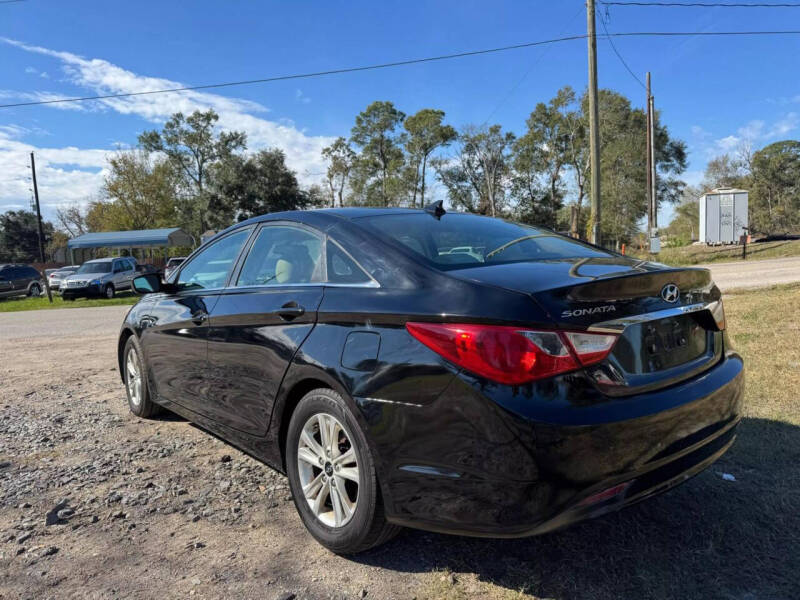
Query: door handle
[(199, 318), (290, 310)]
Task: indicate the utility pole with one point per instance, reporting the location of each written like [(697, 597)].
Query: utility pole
[(594, 122), (649, 172), (653, 181), (652, 199), (39, 224)]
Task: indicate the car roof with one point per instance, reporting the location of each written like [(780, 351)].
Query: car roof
[(101, 260), (320, 216)]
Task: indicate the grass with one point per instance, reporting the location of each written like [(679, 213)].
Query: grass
[(42, 303), (695, 255), (709, 538)]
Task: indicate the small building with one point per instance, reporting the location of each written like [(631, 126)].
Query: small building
[(85, 246), (723, 216)]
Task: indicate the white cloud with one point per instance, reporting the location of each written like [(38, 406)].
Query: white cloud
[(784, 126), (301, 97), (64, 175), (100, 77)]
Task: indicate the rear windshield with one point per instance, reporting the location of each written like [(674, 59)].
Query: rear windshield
[(98, 267), (459, 241)]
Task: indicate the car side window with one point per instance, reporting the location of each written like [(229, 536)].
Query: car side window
[(210, 268), (283, 255), (342, 268)]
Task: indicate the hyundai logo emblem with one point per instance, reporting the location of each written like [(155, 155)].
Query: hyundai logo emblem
[(670, 292)]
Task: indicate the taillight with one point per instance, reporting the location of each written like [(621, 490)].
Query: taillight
[(509, 354)]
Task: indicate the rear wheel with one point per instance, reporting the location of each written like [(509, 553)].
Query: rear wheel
[(332, 476), (108, 292), (136, 387), (34, 291)]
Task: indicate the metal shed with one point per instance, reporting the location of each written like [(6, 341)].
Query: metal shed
[(141, 238), (723, 216)]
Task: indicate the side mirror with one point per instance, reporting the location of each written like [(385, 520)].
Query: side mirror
[(148, 283)]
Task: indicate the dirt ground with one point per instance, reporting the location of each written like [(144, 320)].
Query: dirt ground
[(96, 503)]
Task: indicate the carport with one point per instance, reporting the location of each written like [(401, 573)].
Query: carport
[(85, 246)]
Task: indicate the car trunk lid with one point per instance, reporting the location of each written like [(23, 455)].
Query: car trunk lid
[(666, 318)]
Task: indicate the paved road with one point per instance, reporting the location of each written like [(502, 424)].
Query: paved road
[(755, 273), (61, 322)]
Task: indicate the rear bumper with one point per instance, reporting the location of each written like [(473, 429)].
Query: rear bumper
[(515, 475)]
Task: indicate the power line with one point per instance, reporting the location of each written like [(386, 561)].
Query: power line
[(619, 56), (528, 71), (705, 4), (11, 1), (402, 63)]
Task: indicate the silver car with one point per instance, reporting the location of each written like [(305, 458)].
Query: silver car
[(100, 277), (56, 276), (172, 264)]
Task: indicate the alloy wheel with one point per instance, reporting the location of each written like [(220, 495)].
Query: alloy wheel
[(328, 469), (133, 377)]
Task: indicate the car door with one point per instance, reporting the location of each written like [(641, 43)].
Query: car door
[(175, 325), (6, 281), (18, 282), (260, 321), (129, 272)]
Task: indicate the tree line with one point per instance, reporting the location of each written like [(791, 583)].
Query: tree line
[(540, 175), (193, 175)]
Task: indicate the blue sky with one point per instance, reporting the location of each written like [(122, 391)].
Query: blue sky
[(714, 93)]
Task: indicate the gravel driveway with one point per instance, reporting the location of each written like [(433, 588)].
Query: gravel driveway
[(755, 273), (96, 503)]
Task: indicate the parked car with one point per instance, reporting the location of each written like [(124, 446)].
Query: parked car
[(547, 382), (100, 277), (172, 264), (56, 276), (20, 280)]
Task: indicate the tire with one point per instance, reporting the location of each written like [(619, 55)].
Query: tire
[(109, 291), (139, 401), (366, 526), (35, 290)]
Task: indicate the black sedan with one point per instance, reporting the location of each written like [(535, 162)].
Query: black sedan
[(436, 370)]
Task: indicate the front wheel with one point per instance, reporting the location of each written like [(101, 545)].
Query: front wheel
[(332, 476), (35, 291), (109, 291)]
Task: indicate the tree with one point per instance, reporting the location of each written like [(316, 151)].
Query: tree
[(624, 169), (377, 174), (723, 171), (476, 179), (192, 145), (19, 236), (340, 158), (425, 134), (775, 188), (143, 190), (258, 184), (72, 219), (684, 227), (542, 152)]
